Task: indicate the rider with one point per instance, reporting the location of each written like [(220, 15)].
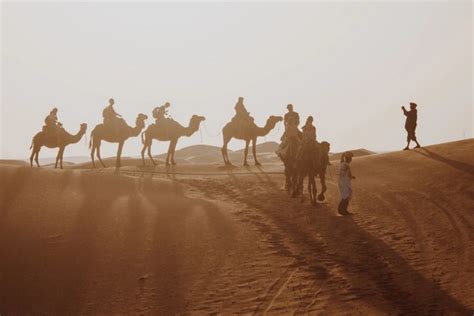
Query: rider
[(51, 120), (241, 113), (308, 144), (309, 131), (161, 112), (292, 133), (111, 117), (109, 113), (291, 117), (51, 123)]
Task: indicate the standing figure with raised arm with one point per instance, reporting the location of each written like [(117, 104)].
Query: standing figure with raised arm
[(410, 125)]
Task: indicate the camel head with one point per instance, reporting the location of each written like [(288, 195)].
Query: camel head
[(326, 147), (141, 120), (83, 128), (196, 119), (273, 120)]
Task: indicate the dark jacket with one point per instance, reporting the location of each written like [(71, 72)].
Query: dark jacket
[(412, 116)]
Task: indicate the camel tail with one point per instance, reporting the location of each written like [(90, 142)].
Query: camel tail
[(32, 142)]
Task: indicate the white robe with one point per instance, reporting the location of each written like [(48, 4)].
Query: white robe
[(345, 187)]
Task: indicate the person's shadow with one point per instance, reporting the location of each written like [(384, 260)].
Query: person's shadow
[(462, 166)]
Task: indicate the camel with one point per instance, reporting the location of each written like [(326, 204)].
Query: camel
[(308, 165), (52, 141), (247, 133), (120, 135), (289, 162), (312, 166), (168, 130)]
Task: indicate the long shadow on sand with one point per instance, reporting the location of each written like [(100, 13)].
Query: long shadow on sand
[(120, 221), (362, 256), (11, 186), (461, 166)]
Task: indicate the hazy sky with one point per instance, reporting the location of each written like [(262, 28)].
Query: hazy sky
[(351, 65)]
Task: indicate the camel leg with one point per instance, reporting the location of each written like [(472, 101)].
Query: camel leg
[(322, 177), (143, 154), (246, 152), (168, 154), (301, 187), (173, 149), (33, 152), (57, 159), (36, 156), (93, 153), (224, 151), (295, 184), (119, 154), (312, 188), (254, 152), (287, 178), (98, 156), (61, 157), (149, 155)]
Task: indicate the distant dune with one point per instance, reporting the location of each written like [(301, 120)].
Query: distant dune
[(267, 147), (357, 153), (13, 162), (204, 238)]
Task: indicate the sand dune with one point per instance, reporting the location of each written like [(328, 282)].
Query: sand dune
[(203, 238), (266, 147), (357, 153)]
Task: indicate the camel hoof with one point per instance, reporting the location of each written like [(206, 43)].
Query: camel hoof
[(246, 164), (258, 164), (173, 163)]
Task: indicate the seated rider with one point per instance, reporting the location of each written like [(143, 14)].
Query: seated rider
[(51, 122), (109, 114), (161, 112), (309, 131), (112, 118), (308, 144), (241, 113), (292, 121), (291, 135)]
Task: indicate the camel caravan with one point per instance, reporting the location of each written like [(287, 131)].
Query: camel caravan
[(302, 156)]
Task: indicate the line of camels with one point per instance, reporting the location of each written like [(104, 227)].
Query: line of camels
[(172, 132), (295, 173)]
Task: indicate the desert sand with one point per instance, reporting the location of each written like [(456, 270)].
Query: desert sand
[(200, 238)]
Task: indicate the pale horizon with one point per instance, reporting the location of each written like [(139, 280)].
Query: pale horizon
[(350, 65)]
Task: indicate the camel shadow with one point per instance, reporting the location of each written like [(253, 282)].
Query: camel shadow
[(11, 186), (362, 256), (117, 217)]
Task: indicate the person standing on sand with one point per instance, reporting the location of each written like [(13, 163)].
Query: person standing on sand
[(410, 125), (345, 179)]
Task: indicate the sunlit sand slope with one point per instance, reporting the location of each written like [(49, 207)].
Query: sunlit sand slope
[(213, 239)]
